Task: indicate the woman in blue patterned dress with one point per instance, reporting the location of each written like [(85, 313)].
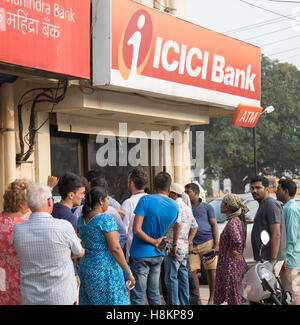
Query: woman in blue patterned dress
[(103, 266)]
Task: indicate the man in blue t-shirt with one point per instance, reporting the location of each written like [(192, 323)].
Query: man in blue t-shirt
[(154, 215), (206, 239)]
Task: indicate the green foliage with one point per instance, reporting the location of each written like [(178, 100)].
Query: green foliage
[(279, 132), (207, 186)]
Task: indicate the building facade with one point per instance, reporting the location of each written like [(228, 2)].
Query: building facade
[(129, 110)]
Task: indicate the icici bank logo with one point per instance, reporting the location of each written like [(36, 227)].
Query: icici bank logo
[(135, 44), (175, 58)]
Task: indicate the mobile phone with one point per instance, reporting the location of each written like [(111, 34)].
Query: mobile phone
[(162, 245), (209, 255), (128, 284)]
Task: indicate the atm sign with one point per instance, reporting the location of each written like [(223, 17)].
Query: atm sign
[(246, 116)]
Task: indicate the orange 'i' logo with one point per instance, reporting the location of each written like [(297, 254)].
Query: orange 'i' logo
[(135, 44)]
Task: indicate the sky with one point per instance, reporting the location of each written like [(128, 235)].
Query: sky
[(272, 25)]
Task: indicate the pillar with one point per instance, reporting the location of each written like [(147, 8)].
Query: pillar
[(8, 133)]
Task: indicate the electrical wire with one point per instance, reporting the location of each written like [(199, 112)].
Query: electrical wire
[(261, 24), (278, 41), (289, 50), (32, 129), (268, 10), (45, 96), (268, 33), (290, 57), (269, 22), (265, 23), (256, 25), (284, 1)]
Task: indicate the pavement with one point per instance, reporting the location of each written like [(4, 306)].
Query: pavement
[(204, 294)]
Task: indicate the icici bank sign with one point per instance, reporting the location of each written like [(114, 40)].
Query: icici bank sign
[(161, 54)]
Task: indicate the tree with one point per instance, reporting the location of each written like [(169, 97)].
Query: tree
[(228, 152), (279, 133), (229, 149)]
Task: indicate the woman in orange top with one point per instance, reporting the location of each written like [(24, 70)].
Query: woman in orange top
[(15, 209)]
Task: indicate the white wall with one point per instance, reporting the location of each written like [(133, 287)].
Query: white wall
[(178, 5)]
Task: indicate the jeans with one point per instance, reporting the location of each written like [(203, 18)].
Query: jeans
[(177, 279), (146, 271)]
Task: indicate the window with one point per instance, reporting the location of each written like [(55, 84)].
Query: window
[(79, 153), (67, 154), (116, 175)]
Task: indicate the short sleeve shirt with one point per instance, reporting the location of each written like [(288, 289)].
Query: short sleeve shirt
[(44, 246), (61, 211), (269, 212), (202, 213), (114, 203), (112, 212), (128, 206), (291, 213), (159, 214), (187, 222)]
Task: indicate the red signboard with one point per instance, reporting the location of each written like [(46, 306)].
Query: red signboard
[(154, 51), (46, 35), (246, 116)]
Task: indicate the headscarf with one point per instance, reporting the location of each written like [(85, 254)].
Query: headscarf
[(235, 203)]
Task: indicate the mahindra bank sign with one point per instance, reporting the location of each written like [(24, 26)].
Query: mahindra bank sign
[(50, 35), (142, 49)]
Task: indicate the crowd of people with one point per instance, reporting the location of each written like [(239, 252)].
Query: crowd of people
[(89, 249)]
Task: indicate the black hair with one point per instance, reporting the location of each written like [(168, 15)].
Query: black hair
[(91, 175), (288, 184), (92, 198), (70, 182), (193, 186), (178, 195), (162, 181), (139, 177), (99, 180), (262, 179)]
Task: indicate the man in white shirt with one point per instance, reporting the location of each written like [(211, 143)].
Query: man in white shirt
[(137, 180), (45, 246), (180, 237)]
